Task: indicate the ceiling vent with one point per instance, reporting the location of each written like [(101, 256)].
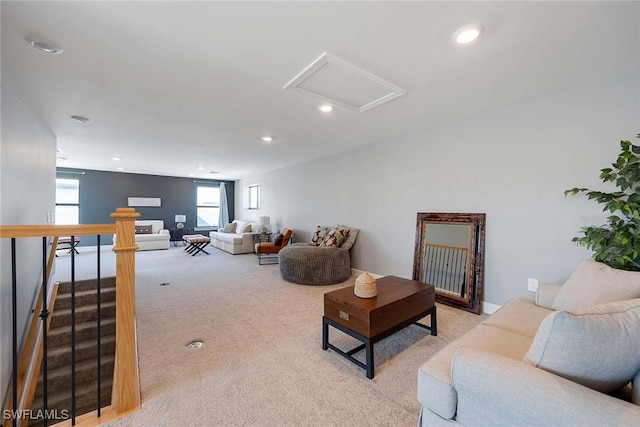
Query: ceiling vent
[(339, 83)]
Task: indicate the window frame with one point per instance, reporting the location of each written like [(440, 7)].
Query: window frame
[(198, 206), (249, 190), (77, 205)]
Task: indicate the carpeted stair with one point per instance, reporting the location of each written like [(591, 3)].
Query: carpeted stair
[(59, 348)]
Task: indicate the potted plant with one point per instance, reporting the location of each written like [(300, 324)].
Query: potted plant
[(617, 243)]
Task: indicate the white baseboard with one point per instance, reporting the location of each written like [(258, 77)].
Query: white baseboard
[(487, 307)]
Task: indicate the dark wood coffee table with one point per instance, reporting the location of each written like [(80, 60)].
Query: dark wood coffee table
[(399, 303)]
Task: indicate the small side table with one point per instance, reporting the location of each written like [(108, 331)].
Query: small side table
[(177, 233)]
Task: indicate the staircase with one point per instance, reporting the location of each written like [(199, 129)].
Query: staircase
[(59, 348)]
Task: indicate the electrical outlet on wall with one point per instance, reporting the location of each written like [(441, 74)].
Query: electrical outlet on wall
[(532, 284)]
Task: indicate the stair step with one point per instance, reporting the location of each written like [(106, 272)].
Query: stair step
[(59, 378), (86, 285), (59, 348), (83, 314), (87, 297), (84, 350), (86, 398), (61, 336)]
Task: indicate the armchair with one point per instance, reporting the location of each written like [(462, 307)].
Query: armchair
[(266, 250)]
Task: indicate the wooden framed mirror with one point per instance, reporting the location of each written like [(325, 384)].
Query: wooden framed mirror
[(449, 254)]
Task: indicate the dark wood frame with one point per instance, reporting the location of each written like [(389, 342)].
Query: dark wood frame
[(472, 301)]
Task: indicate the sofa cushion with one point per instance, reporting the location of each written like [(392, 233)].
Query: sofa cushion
[(596, 346), (231, 238), (277, 239), (156, 224), (152, 237), (351, 238), (596, 283), (143, 229), (242, 227), (520, 315), (318, 236), (335, 237), (229, 228), (434, 377), (256, 227)]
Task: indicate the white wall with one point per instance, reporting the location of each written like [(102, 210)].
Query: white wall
[(513, 163), (27, 183)]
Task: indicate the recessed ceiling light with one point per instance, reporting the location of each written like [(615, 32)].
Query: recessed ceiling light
[(80, 119), (45, 47), (116, 158), (468, 33), (190, 174), (62, 158), (214, 172), (325, 108), (267, 138), (120, 169), (200, 168)]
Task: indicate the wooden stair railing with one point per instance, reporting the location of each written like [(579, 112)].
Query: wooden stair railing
[(126, 383)]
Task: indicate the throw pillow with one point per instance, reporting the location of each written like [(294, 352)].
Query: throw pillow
[(341, 236), (319, 235), (335, 238), (229, 228), (329, 240), (596, 346), (243, 228), (143, 229), (277, 239), (596, 283)]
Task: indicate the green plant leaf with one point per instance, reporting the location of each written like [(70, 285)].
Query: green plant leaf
[(616, 243)]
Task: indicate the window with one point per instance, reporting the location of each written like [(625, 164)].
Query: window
[(67, 201), (208, 206), (254, 196)]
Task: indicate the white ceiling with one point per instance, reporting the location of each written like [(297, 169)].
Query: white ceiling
[(170, 86)]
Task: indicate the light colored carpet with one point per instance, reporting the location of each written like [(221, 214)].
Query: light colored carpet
[(262, 362)]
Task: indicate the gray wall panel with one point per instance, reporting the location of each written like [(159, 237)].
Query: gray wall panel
[(102, 192)]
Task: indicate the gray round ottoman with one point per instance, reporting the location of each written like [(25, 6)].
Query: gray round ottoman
[(313, 265)]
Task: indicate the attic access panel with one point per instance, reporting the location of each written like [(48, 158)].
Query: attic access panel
[(339, 83)]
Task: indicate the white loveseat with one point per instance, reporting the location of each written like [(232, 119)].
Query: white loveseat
[(572, 357), (238, 242), (157, 239)]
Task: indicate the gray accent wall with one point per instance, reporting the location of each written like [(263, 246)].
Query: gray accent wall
[(513, 163), (27, 188), (101, 193)]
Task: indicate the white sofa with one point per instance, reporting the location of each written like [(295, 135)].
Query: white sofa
[(240, 242), (158, 239), (572, 357)]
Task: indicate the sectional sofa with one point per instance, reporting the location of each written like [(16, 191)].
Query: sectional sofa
[(571, 357)]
